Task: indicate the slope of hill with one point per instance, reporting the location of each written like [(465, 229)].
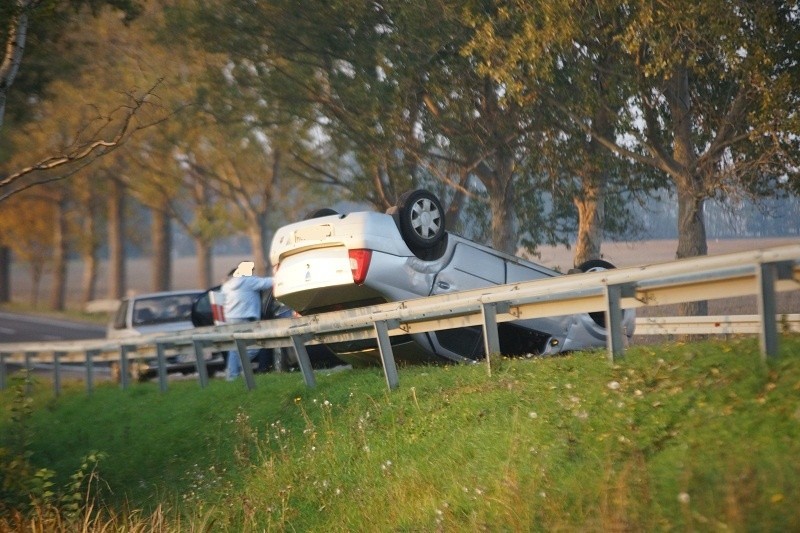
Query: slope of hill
[(701, 436)]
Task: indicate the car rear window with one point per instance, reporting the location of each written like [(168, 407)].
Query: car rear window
[(163, 309)]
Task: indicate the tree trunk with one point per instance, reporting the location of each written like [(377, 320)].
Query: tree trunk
[(89, 255), (89, 281), (204, 256), (59, 288), (499, 183), (691, 194), (591, 202), (503, 236), (453, 210), (162, 249), (691, 241), (591, 216), (116, 240), (15, 46), (36, 278), (5, 274)]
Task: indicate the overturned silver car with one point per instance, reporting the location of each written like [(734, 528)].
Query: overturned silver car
[(334, 261)]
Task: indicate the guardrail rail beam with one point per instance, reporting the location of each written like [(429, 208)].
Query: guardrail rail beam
[(760, 273)]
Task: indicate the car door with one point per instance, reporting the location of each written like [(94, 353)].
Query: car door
[(470, 267)]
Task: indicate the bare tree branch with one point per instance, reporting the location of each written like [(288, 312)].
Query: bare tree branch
[(86, 152), (606, 142)]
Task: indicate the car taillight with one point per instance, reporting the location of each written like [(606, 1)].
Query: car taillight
[(359, 264)]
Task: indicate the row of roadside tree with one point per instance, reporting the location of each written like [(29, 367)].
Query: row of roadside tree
[(536, 121)]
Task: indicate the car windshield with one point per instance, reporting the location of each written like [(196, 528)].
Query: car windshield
[(162, 309)]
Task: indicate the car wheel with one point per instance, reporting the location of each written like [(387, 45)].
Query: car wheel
[(596, 265), (422, 221)]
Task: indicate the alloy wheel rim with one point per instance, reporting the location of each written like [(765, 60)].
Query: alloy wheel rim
[(425, 218)]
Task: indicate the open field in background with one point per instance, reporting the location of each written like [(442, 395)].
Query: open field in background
[(622, 254)]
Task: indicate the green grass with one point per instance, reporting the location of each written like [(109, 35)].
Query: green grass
[(688, 437)]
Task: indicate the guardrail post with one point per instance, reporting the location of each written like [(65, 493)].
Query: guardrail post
[(90, 370), (767, 310), (298, 342), (614, 337), (387, 357), (247, 365), (491, 338), (200, 362), (124, 376), (28, 370), (279, 359), (201, 366), (161, 362), (3, 371), (57, 373)]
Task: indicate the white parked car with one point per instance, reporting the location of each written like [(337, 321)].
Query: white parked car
[(158, 312), (337, 261)]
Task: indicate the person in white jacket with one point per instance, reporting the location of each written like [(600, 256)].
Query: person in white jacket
[(242, 303)]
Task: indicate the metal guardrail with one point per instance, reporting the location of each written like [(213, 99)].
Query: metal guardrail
[(762, 273), (712, 325)]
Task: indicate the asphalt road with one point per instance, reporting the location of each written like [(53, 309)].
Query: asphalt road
[(27, 328)]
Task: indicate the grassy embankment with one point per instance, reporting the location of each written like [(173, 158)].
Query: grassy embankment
[(687, 437)]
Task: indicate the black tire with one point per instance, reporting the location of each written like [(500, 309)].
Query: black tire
[(324, 212), (422, 222), (593, 265), (596, 265)]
